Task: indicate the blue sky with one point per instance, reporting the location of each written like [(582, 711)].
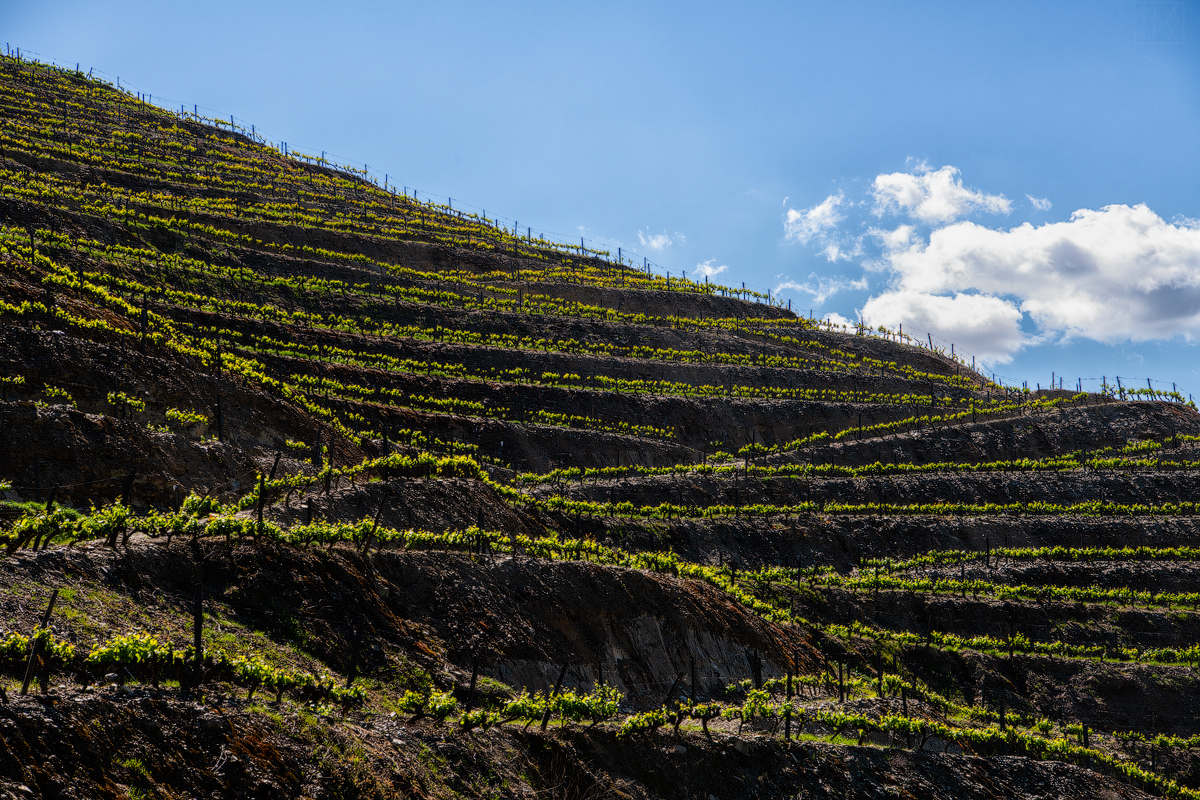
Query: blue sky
[(1019, 178)]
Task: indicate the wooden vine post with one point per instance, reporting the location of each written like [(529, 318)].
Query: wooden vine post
[(198, 637), (366, 545), (557, 685), (220, 417), (35, 647), (262, 496), (474, 677), (356, 650)]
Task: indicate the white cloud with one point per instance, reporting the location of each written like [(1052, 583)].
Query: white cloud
[(709, 268), (660, 241), (896, 240), (986, 327), (932, 196), (822, 288), (1118, 273), (811, 223), (838, 319), (818, 225), (835, 251)]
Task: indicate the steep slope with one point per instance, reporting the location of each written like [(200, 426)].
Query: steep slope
[(435, 483)]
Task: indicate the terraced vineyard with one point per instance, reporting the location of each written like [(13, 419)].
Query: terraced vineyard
[(467, 512)]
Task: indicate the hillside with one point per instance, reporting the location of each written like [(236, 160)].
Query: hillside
[(456, 511)]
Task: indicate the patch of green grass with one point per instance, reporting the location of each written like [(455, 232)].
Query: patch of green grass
[(430, 760), (293, 631), (236, 638), (491, 686), (403, 675), (34, 507)]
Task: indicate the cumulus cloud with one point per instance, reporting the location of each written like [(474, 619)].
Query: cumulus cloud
[(708, 269), (987, 327), (1118, 273), (822, 288), (932, 196), (659, 241), (896, 240)]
